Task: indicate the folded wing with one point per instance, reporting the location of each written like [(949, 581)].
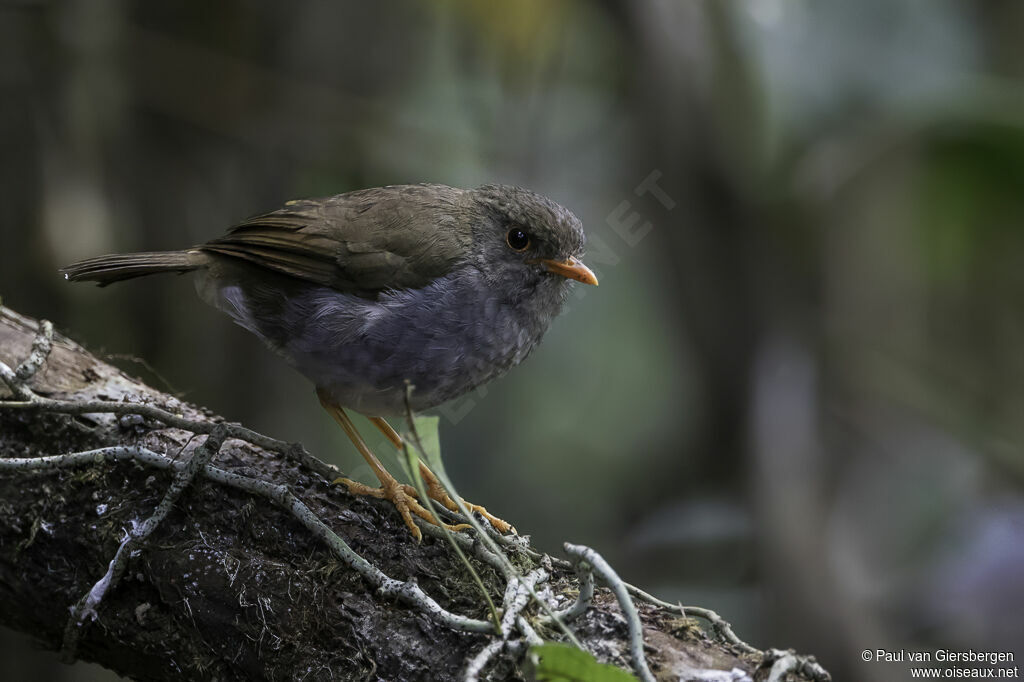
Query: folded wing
[(362, 243)]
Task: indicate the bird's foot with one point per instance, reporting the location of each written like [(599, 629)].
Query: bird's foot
[(437, 492), (404, 498)]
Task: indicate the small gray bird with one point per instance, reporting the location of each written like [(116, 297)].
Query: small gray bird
[(361, 292)]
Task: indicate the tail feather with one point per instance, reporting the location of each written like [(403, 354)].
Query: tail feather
[(113, 268)]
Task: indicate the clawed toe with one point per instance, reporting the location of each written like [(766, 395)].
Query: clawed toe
[(405, 500)]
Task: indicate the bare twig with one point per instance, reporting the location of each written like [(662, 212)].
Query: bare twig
[(586, 593), (412, 460), (785, 662), (89, 603), (32, 401), (41, 347), (517, 598), (478, 663), (721, 627), (611, 580), (27, 399)]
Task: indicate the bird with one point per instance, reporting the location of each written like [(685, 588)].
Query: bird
[(371, 291)]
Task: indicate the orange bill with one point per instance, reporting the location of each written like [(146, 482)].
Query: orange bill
[(570, 269)]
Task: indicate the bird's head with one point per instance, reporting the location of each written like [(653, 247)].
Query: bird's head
[(527, 242)]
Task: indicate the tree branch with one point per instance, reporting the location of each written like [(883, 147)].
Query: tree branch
[(128, 543)]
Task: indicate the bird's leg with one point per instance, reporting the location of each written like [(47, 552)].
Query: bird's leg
[(402, 496), (435, 490)]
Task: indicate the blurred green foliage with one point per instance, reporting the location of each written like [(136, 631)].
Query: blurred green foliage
[(562, 663)]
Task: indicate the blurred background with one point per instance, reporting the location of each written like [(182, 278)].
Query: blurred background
[(797, 396)]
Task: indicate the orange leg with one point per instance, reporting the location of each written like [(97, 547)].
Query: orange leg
[(402, 496), (435, 490)]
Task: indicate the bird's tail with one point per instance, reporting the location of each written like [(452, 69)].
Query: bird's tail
[(105, 270)]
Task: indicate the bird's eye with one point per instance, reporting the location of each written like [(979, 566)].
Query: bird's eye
[(517, 239)]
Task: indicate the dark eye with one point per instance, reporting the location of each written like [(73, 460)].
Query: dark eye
[(517, 239)]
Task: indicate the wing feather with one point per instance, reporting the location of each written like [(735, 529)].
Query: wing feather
[(363, 242)]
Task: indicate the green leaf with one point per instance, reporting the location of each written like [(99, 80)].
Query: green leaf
[(563, 663), (425, 432), (429, 430)]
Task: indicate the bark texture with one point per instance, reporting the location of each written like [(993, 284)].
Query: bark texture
[(232, 587)]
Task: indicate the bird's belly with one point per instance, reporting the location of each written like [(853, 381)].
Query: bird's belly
[(364, 354), (375, 380)]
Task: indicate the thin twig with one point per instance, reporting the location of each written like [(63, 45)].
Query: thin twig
[(721, 627), (586, 594), (413, 463), (466, 542), (478, 663), (32, 401), (529, 634), (615, 584), (785, 662), (87, 606), (29, 400), (516, 599), (42, 344), (16, 386)]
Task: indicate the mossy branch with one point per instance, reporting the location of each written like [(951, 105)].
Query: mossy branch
[(231, 556)]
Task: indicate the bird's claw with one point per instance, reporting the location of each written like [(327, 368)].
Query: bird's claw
[(404, 498), (437, 492)]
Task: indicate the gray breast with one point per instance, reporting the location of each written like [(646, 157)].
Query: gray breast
[(446, 338)]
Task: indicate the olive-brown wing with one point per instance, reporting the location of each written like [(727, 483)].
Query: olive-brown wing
[(363, 242)]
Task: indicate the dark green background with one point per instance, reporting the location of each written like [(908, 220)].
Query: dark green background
[(797, 397)]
